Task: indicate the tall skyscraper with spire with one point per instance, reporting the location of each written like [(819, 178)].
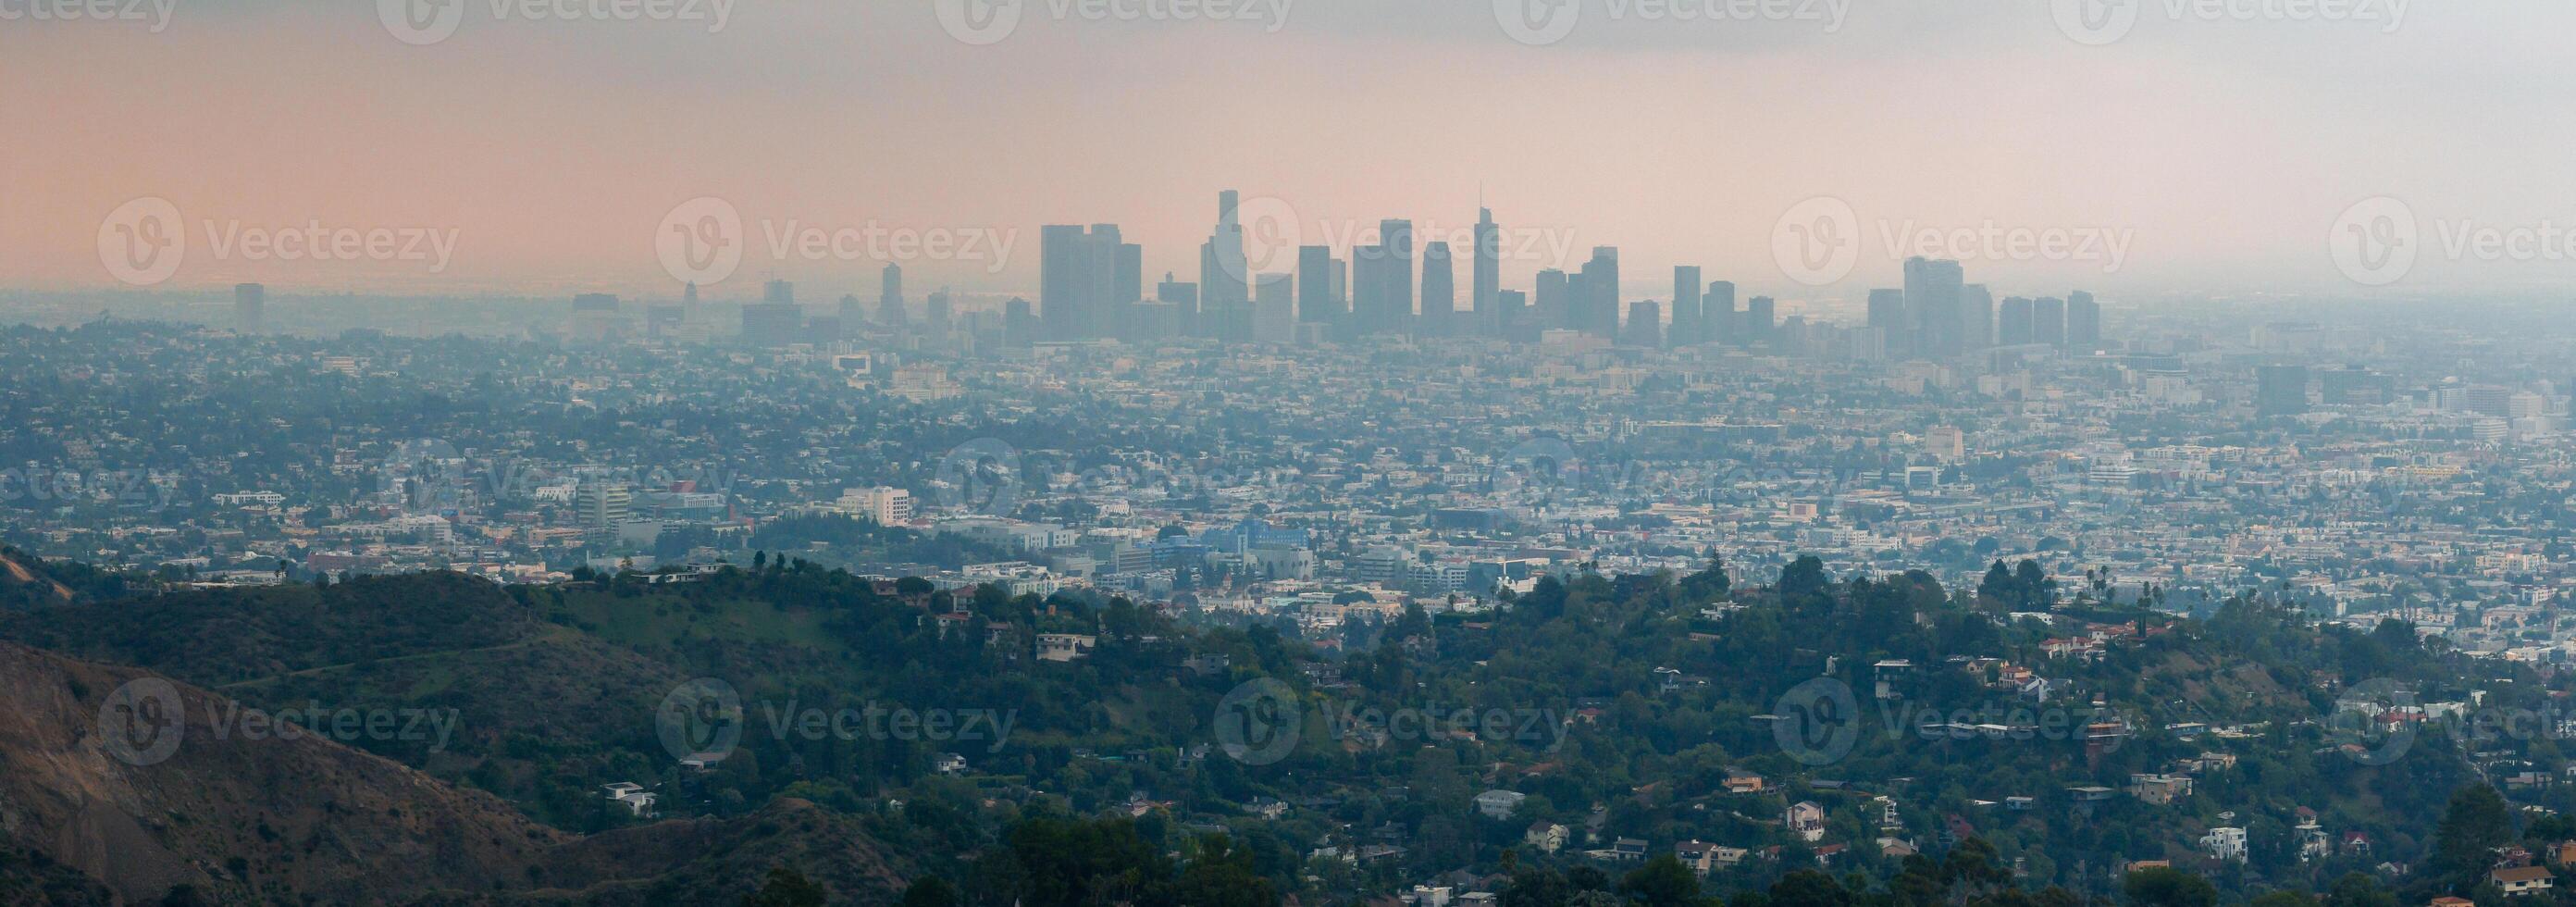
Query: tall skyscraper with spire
[(1225, 275), (1489, 272)]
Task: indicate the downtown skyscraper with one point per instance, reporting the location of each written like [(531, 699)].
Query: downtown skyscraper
[(1439, 291), (1382, 281), (1488, 288), (1933, 292), (1688, 327), (1078, 280)]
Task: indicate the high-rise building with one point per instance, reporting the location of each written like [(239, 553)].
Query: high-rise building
[(2083, 322), (852, 312), (1439, 290), (2013, 324), (1274, 309), (595, 319), (1019, 323), (1554, 299), (1225, 273), (602, 505), (250, 308), (1128, 286), (2279, 390), (1887, 314), (1489, 272), (1512, 316), (1316, 286), (775, 320), (1719, 321), (1645, 325), (1977, 316), (1759, 319), (1932, 298), (2048, 321), (1078, 280), (1596, 297), (1688, 329), (890, 296), (938, 313), (1382, 281)]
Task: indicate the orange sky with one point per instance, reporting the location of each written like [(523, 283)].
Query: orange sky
[(552, 150)]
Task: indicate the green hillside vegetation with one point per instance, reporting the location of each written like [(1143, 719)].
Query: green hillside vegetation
[(556, 690)]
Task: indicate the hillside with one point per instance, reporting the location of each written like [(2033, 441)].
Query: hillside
[(238, 815)]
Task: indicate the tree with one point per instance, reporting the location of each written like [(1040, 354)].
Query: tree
[(787, 888), (2473, 826), (1809, 888), (2283, 899), (1662, 882), (932, 891), (2359, 889), (2163, 887)]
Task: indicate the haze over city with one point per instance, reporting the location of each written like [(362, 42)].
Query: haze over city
[(2224, 139), (1287, 453)]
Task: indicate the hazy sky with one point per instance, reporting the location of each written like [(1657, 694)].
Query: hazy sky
[(2206, 147)]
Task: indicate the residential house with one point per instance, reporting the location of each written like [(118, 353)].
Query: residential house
[(1806, 820), (1499, 804), (634, 797), (1065, 646), (2522, 881)]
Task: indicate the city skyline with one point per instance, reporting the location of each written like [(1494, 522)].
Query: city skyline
[(815, 118)]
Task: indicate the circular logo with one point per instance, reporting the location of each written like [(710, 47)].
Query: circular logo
[(1539, 466), (1538, 23), (142, 721), (2374, 721), (423, 475), (2095, 22), (421, 22), (1271, 237), (979, 22), (700, 721), (2374, 241), (1259, 721), (981, 476), (143, 241), (1819, 722), (1818, 241), (700, 241)]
